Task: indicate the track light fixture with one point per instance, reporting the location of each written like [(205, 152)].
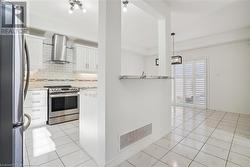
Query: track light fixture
[(125, 5), (77, 4)]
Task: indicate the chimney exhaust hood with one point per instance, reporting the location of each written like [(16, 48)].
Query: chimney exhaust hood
[(59, 51)]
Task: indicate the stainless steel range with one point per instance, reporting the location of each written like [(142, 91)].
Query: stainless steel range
[(63, 104)]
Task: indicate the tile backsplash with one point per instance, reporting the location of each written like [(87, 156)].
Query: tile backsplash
[(52, 73)]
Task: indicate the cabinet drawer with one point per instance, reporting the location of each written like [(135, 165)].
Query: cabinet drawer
[(41, 110), (31, 103), (37, 122), (35, 99), (36, 94), (38, 117)]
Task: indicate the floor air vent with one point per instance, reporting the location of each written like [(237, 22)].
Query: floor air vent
[(134, 136)]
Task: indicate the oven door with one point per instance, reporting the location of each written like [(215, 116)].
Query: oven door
[(63, 104)]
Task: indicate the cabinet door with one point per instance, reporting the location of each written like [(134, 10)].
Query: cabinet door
[(96, 60), (85, 59), (79, 59), (92, 60), (35, 47)]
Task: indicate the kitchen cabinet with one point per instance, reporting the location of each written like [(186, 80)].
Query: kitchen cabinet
[(85, 59), (35, 105), (88, 122), (35, 47)]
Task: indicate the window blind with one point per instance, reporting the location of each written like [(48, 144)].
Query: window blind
[(189, 85)]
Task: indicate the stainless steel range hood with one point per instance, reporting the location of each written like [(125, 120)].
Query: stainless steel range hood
[(59, 51)]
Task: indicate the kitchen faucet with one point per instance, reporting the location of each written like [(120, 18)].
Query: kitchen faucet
[(143, 75)]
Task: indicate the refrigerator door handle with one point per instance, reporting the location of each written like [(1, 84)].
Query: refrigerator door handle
[(28, 68), (26, 126)]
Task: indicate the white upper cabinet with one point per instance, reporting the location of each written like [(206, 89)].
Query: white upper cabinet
[(35, 47), (85, 59)]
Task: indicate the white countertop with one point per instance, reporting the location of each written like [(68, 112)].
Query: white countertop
[(32, 88), (35, 86)]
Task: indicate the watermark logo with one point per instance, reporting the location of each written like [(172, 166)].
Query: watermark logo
[(12, 18)]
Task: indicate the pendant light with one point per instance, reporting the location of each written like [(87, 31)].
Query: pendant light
[(175, 59)]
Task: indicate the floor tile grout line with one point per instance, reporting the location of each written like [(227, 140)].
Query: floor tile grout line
[(181, 139), (82, 163), (244, 155), (26, 152), (130, 163), (189, 130), (61, 146), (45, 162), (159, 160), (60, 159), (207, 139), (199, 112), (73, 141), (207, 117), (90, 158), (232, 141)]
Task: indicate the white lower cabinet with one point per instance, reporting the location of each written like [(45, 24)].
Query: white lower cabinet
[(88, 119), (36, 106)]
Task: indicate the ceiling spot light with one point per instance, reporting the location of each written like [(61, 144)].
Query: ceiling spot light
[(84, 10), (77, 4), (71, 9), (125, 6)]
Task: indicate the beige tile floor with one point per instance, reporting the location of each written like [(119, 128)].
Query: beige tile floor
[(198, 138), (55, 146)]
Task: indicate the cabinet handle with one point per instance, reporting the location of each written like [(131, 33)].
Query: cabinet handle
[(35, 102), (35, 110), (36, 94)]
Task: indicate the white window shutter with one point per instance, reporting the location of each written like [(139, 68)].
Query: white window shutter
[(190, 83)]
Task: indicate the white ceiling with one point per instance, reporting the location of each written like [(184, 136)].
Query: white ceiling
[(197, 18), (190, 19)]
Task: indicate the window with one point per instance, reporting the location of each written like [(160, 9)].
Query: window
[(189, 85)]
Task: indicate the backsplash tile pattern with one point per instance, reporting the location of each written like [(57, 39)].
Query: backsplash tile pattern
[(54, 74), (52, 67)]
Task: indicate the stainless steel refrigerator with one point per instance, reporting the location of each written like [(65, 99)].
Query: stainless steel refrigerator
[(13, 86)]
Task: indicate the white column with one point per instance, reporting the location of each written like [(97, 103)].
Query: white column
[(109, 61), (164, 45), (126, 105)]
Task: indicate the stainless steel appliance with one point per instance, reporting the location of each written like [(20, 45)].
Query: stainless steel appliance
[(12, 93), (59, 52), (63, 104)]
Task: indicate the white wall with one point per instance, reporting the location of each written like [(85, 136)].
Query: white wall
[(132, 63), (135, 64), (228, 68), (125, 105), (149, 65)]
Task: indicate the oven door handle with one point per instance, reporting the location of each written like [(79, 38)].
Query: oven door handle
[(64, 95)]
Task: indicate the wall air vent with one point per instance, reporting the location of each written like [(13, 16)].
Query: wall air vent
[(134, 136)]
